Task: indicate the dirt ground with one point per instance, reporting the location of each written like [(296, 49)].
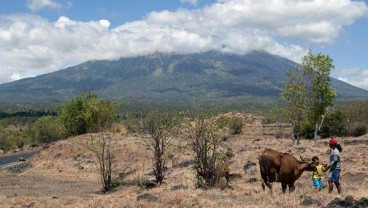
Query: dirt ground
[(65, 175), (37, 186)]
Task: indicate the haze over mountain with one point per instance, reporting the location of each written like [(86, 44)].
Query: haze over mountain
[(210, 77)]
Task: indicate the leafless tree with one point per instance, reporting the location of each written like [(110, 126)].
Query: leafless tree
[(102, 148), (159, 128)]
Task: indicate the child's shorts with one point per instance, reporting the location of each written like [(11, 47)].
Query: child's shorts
[(317, 182), (334, 175)]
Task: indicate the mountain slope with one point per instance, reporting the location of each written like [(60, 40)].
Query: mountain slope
[(168, 78)]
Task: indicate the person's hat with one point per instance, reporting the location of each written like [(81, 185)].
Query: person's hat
[(333, 141)]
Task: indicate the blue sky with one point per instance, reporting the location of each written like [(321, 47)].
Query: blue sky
[(42, 36)]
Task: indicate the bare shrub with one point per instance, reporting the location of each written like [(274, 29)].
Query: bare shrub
[(159, 127), (211, 162), (102, 148)]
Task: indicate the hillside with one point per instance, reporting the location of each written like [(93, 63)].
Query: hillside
[(211, 77), (65, 174)]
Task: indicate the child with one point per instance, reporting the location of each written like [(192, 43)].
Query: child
[(317, 175)]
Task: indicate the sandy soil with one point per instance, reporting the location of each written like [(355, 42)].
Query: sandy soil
[(65, 175)]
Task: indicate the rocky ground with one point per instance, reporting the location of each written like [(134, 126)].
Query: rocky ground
[(65, 175)]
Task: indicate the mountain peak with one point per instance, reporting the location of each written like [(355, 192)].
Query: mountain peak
[(213, 76)]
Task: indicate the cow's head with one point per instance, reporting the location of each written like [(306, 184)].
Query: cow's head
[(311, 166)]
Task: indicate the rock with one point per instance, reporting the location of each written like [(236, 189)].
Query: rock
[(1, 151), (128, 206), (147, 197), (55, 197), (252, 180), (178, 187), (249, 165), (348, 202), (363, 202), (18, 168), (149, 184), (186, 163), (234, 176), (310, 202), (22, 159), (349, 199), (337, 202)]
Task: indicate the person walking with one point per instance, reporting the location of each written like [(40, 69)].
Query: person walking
[(334, 166)]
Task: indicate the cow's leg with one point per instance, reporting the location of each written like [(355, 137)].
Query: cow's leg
[(284, 186), (269, 184), (291, 187), (264, 175), (271, 179)]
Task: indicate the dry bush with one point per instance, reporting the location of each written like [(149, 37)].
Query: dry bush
[(159, 126), (101, 146), (210, 161), (236, 125)]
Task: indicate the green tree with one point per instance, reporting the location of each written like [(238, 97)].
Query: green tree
[(48, 129), (320, 95), (87, 113), (294, 96), (309, 94), (335, 124), (10, 140), (356, 113)]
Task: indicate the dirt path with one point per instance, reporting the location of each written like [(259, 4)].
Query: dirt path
[(13, 185)]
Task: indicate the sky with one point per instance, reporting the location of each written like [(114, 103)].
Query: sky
[(43, 36)]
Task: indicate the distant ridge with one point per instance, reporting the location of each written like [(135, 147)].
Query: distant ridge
[(211, 77)]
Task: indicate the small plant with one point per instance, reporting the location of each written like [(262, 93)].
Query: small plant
[(159, 126), (236, 125), (210, 163), (102, 148), (223, 121)]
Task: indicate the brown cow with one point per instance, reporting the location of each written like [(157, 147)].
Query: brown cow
[(281, 167)]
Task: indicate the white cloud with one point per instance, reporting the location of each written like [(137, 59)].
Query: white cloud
[(41, 4), (104, 23), (193, 2), (355, 76), (32, 45)]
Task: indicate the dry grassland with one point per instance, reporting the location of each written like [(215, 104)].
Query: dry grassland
[(65, 175)]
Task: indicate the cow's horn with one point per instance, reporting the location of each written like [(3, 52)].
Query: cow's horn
[(303, 158)]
